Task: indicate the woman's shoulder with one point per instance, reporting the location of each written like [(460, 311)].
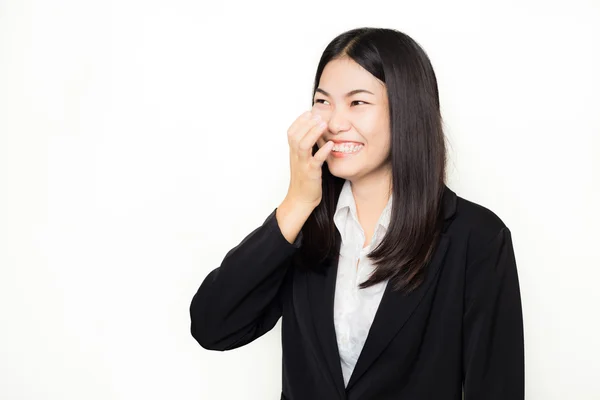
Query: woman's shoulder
[(477, 215), (476, 223)]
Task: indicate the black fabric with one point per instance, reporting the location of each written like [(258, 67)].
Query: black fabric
[(463, 326)]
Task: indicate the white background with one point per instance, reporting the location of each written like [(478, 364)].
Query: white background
[(141, 140)]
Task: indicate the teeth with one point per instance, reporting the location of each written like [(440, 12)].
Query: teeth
[(347, 148)]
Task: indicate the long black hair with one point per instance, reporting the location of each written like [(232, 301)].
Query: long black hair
[(417, 156)]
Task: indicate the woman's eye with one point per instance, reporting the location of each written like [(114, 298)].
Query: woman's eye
[(355, 101)]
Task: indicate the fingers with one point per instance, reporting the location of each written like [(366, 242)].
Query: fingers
[(322, 154), (298, 130), (308, 141), (299, 122), (303, 134)]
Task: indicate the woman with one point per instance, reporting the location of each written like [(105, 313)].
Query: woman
[(389, 285)]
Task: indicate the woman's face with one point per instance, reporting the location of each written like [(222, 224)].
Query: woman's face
[(360, 117)]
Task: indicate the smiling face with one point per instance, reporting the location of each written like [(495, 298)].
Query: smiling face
[(355, 106)]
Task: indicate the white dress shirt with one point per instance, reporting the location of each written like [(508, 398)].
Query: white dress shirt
[(354, 308)]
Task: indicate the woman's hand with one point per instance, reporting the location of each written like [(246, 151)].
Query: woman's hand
[(305, 169)]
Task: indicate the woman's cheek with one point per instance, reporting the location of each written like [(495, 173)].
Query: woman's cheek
[(317, 108), (318, 112)]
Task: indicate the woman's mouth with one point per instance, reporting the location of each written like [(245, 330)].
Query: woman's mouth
[(346, 149)]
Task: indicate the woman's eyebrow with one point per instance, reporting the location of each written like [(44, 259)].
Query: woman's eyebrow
[(350, 93)]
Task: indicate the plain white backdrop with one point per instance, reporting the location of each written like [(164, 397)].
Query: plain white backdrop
[(141, 140)]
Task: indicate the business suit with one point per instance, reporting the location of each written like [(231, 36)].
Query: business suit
[(463, 324)]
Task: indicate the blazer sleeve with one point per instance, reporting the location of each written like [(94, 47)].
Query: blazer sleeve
[(493, 344), (240, 300)]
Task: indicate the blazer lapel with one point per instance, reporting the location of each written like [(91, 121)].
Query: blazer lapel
[(320, 292), (392, 313)]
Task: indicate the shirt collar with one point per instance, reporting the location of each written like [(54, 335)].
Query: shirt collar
[(346, 207)]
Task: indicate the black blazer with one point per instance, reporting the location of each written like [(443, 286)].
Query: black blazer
[(462, 327)]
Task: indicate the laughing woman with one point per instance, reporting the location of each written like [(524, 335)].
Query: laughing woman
[(389, 285)]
